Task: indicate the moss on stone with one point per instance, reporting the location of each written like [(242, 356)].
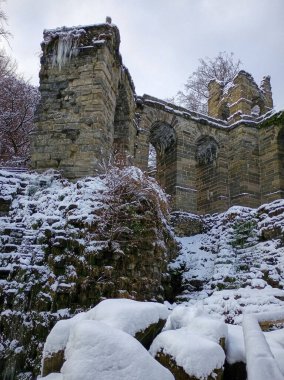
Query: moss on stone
[(276, 119)]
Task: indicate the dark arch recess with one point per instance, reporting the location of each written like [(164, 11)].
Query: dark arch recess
[(162, 137)]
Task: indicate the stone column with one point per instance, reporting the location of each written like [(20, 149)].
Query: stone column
[(79, 76)]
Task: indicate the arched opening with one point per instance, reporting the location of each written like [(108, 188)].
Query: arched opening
[(162, 155), (255, 111), (257, 107), (152, 161), (206, 157)]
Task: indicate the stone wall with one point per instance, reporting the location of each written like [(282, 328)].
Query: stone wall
[(271, 141), (89, 112)]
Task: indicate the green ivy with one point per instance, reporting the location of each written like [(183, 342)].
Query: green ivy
[(243, 231), (276, 119)]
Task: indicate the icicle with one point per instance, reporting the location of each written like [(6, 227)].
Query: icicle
[(66, 47)]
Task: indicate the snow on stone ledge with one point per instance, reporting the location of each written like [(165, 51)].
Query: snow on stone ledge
[(235, 345), (128, 315), (97, 351), (52, 376), (59, 335), (197, 321), (261, 363), (197, 355)]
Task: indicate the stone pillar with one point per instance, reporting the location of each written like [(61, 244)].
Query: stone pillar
[(265, 87), (215, 95), (79, 77), (244, 170), (240, 102)]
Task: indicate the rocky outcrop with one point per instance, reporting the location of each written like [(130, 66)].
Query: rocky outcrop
[(186, 224), (142, 320), (178, 371), (65, 246), (192, 345)]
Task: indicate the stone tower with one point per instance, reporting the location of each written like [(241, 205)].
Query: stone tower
[(241, 100), (87, 101)]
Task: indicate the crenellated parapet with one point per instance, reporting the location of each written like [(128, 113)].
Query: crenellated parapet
[(240, 100)]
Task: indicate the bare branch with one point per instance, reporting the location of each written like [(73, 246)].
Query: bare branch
[(222, 68)]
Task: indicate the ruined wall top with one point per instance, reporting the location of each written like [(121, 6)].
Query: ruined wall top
[(241, 99), (61, 44)]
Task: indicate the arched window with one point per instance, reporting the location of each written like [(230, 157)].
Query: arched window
[(162, 154), (255, 111), (206, 150)]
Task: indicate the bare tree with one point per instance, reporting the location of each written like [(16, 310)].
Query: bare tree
[(222, 68), (17, 104), (8, 65), (3, 20)]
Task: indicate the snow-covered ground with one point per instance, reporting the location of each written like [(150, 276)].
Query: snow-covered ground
[(97, 345), (237, 265)]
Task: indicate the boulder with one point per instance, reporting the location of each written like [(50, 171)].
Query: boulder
[(98, 351), (142, 320), (189, 356)]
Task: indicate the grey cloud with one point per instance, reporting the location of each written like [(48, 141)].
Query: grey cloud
[(162, 40)]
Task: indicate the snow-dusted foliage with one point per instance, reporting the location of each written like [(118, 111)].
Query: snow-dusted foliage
[(18, 100), (64, 246)]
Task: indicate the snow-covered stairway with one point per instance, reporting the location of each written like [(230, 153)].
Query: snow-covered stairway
[(236, 264)]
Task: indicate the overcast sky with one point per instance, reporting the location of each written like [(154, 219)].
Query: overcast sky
[(162, 40)]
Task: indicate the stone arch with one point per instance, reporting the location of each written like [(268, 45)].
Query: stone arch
[(207, 175), (206, 150), (257, 106), (163, 137)]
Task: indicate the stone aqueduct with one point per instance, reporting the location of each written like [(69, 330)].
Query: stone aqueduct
[(89, 110)]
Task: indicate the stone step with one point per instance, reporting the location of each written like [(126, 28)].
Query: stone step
[(8, 247), (4, 272)]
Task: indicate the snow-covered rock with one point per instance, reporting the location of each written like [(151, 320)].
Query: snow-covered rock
[(97, 351), (197, 321), (142, 320), (187, 352), (261, 363), (128, 315), (66, 245), (191, 343)]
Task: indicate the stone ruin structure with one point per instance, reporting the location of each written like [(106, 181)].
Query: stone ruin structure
[(89, 110)]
